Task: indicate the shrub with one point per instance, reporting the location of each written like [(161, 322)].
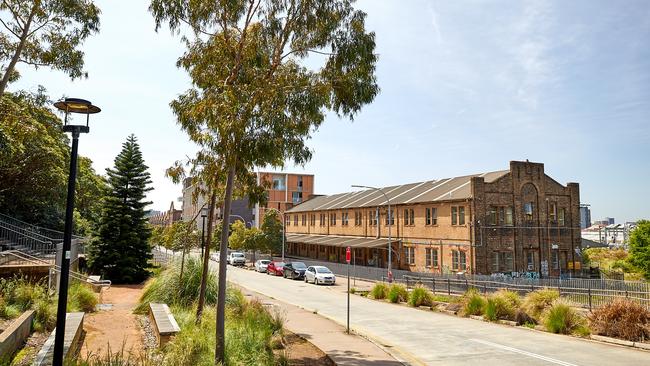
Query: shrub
[(522, 318), (44, 315), (472, 302), (379, 291), (397, 293), (536, 302), (169, 289), (81, 298), (502, 304), (562, 318), (420, 296), (622, 318), (353, 290)]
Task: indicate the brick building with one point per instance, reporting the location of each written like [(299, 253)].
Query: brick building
[(516, 220), (286, 190), (166, 218)]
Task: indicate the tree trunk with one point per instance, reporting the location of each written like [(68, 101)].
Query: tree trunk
[(206, 259), (19, 50), (221, 297), (180, 278)]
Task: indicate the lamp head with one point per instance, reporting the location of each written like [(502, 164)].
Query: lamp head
[(76, 105)]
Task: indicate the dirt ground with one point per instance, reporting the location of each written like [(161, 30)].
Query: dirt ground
[(302, 353), (117, 327)]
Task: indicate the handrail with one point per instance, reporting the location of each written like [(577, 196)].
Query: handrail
[(57, 268), (21, 231), (58, 234)]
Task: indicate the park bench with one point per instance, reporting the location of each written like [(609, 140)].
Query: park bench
[(163, 321), (71, 340)]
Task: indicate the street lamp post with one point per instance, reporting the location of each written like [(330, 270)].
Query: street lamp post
[(81, 106), (390, 221), (204, 214)]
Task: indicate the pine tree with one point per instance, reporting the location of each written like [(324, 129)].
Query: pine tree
[(121, 250)]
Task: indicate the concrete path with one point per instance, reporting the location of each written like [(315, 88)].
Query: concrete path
[(344, 349), (426, 337)]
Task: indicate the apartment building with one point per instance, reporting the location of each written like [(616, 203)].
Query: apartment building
[(166, 218), (285, 191), (510, 221)]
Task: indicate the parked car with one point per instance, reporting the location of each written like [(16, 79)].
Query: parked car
[(236, 259), (275, 268), (294, 270), (260, 265), (320, 274), (214, 256)]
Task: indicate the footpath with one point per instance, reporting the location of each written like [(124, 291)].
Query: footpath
[(342, 348)]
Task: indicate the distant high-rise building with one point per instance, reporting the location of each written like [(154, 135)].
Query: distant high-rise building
[(610, 220), (585, 216)]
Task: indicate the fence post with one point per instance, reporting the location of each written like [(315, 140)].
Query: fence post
[(433, 284), (484, 288), (448, 286), (559, 287), (589, 295)]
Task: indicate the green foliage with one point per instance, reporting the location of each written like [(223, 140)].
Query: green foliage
[(243, 238), (379, 291), (503, 304), (622, 318), (640, 247), (44, 315), (473, 302), (121, 250), (562, 318), (420, 296), (45, 33), (536, 302), (272, 231), (181, 235), (81, 298), (397, 293), (167, 288)]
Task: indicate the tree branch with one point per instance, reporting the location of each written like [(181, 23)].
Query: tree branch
[(9, 29), (16, 16)]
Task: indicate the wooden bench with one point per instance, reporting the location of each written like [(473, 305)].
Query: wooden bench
[(71, 340), (163, 321)]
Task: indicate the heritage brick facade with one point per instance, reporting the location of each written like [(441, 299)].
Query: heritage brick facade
[(519, 220)]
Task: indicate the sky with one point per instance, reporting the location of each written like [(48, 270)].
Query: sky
[(466, 86)]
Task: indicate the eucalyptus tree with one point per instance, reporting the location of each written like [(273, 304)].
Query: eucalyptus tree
[(45, 33), (264, 74)]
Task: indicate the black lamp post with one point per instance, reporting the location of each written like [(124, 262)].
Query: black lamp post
[(81, 106), (204, 214)]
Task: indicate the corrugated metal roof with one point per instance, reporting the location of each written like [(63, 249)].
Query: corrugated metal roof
[(430, 191), (340, 241)]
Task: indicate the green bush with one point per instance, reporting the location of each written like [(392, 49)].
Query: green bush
[(168, 288), (397, 293), (44, 315), (379, 291), (420, 296), (563, 319), (502, 304), (81, 298), (472, 302), (536, 302)]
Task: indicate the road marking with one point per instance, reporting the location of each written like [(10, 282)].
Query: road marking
[(522, 352)]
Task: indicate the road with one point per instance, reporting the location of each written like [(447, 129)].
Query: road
[(426, 337)]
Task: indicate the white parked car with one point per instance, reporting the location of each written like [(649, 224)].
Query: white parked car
[(319, 275), (236, 259), (260, 265)]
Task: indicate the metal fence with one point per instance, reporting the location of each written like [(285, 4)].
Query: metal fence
[(161, 256), (588, 293)]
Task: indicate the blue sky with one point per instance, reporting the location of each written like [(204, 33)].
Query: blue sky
[(466, 86)]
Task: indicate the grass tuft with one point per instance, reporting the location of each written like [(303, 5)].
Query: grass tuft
[(379, 291), (420, 296), (563, 319), (397, 293), (536, 302), (473, 303)]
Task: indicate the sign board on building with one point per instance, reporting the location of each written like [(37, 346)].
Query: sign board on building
[(347, 255), (554, 246)]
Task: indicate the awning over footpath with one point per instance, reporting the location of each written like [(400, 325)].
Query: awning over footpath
[(339, 241)]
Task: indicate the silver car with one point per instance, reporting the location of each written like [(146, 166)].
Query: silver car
[(260, 265), (319, 275)]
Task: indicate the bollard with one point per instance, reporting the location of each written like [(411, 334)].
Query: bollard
[(589, 295), (448, 286)]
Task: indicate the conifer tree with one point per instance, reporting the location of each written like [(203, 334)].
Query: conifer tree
[(121, 249)]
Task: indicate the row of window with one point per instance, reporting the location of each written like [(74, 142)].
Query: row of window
[(458, 258), (431, 218)]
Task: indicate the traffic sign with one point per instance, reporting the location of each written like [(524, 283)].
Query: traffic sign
[(347, 255)]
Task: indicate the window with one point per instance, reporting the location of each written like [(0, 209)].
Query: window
[(333, 219), (492, 216), (434, 216), (432, 257), (295, 220), (296, 197), (502, 261), (458, 215), (278, 182), (560, 217), (390, 218), (304, 219), (528, 211), (287, 220), (322, 219), (406, 216), (530, 261), (344, 219), (552, 211), (372, 217), (458, 260), (556, 260), (409, 253), (313, 220), (357, 218), (509, 220), (409, 216), (454, 260)]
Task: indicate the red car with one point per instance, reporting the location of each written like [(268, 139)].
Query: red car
[(275, 268)]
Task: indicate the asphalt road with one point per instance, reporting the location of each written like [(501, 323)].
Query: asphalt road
[(426, 337)]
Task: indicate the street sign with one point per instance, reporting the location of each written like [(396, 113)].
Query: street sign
[(347, 255)]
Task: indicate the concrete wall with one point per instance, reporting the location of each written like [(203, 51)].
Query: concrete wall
[(14, 336)]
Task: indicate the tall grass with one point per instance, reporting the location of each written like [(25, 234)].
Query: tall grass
[(622, 318), (397, 293), (379, 291), (420, 296), (168, 287), (472, 302), (502, 304), (536, 302), (561, 318), (81, 298)]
